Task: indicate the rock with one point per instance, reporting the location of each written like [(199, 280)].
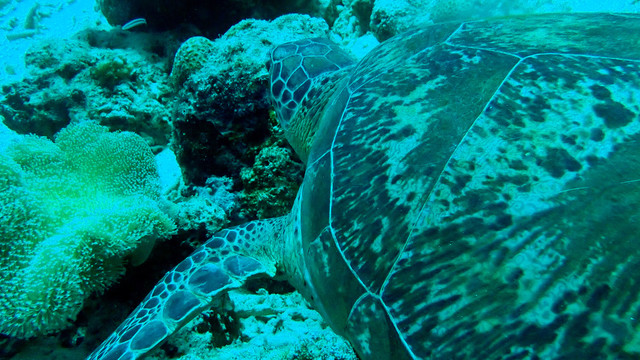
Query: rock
[(116, 78), (212, 18), (222, 113)]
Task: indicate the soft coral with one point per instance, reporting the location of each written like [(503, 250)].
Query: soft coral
[(71, 212)]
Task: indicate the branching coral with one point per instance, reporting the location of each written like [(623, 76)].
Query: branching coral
[(71, 213)]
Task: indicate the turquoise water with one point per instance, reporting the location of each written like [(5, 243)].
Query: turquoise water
[(130, 137)]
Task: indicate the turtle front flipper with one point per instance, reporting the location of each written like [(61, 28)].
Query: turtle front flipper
[(199, 282)]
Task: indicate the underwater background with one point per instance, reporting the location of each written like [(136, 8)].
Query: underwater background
[(131, 131)]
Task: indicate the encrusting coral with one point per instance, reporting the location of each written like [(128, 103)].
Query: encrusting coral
[(71, 213), (191, 57)]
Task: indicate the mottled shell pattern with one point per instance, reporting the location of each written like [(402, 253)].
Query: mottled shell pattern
[(473, 190)]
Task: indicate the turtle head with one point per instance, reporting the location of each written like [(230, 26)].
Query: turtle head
[(304, 75)]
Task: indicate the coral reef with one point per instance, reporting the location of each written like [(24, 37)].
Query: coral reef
[(259, 325), (211, 18), (191, 57), (119, 81), (111, 72), (236, 165), (222, 112), (350, 17), (71, 214), (271, 183), (205, 207), (391, 17)]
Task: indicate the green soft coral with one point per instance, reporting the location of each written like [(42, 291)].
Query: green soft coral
[(71, 213)]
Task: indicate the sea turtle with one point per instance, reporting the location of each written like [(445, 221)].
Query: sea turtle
[(472, 191)]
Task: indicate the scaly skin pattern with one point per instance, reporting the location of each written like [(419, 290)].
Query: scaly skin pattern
[(472, 192), (476, 195), (198, 283)]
